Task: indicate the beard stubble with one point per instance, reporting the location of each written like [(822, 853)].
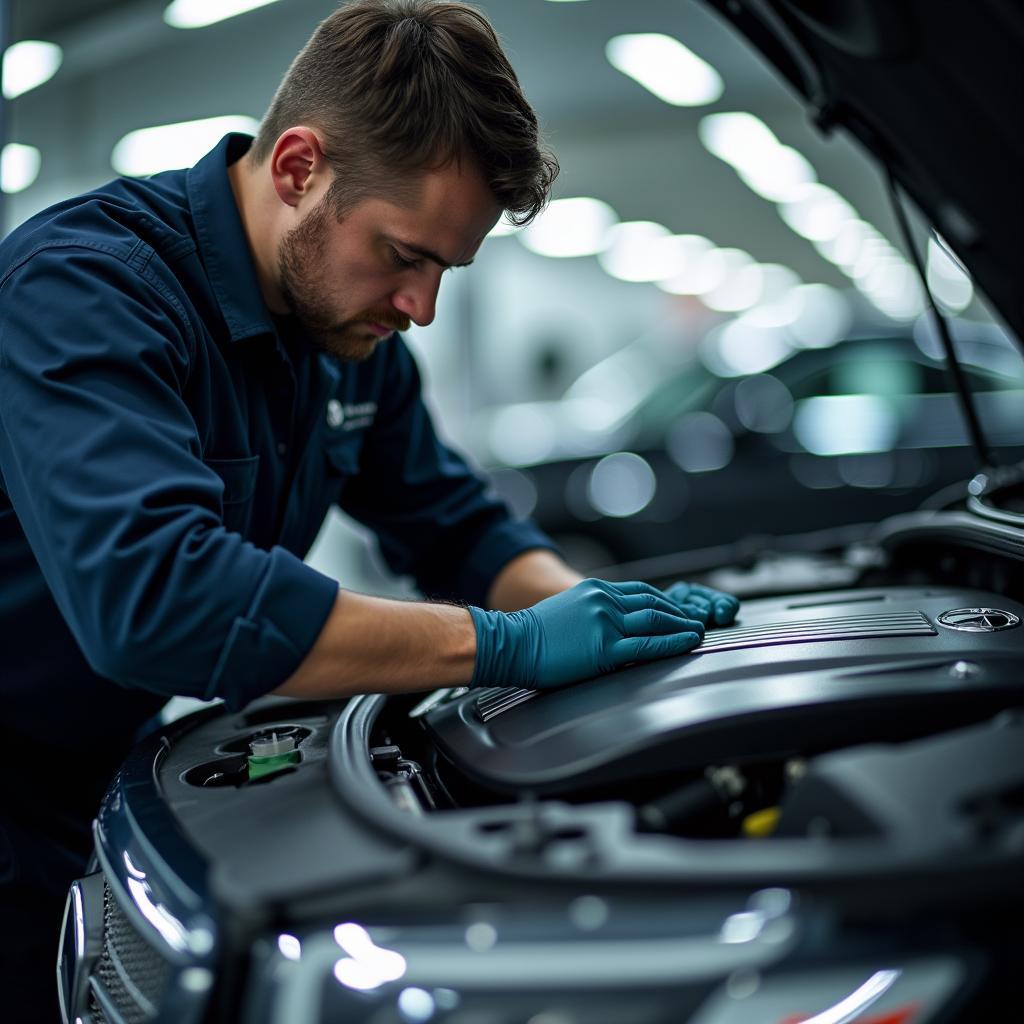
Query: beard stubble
[(300, 262)]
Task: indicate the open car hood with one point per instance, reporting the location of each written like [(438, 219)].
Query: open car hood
[(934, 91)]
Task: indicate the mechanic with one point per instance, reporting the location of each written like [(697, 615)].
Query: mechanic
[(193, 368)]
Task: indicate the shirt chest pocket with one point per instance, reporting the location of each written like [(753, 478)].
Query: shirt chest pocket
[(239, 479)]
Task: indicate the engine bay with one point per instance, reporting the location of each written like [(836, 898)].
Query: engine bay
[(744, 737), (830, 734), (838, 770), (793, 677), (870, 731)]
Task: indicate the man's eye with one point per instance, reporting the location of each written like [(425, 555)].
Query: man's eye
[(400, 261)]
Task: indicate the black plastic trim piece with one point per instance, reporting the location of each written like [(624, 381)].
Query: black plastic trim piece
[(903, 871)]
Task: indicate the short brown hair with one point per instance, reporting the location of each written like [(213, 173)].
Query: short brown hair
[(401, 86)]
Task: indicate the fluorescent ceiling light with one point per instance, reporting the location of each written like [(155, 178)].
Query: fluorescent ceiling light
[(875, 252), (149, 150), (887, 280), (741, 286), (777, 281), (200, 13), (893, 288), (633, 253), (752, 350), (845, 248), (817, 212), (777, 305), (736, 349), (780, 313), (725, 279), (814, 315), (664, 66), (746, 143), (738, 138), (780, 176), (701, 266), (677, 255), (19, 167), (824, 316), (570, 227), (28, 64), (728, 264)]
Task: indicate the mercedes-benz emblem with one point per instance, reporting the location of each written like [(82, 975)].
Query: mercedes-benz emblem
[(978, 620)]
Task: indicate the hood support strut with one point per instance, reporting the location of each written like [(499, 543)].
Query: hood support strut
[(974, 430)]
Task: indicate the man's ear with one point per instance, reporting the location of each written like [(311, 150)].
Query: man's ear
[(297, 164)]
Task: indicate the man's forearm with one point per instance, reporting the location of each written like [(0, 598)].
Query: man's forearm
[(374, 645), (529, 578)]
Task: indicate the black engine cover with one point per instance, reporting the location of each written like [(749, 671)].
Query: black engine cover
[(791, 676)]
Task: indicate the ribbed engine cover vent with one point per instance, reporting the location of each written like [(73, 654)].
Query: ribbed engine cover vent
[(840, 627), (496, 700)]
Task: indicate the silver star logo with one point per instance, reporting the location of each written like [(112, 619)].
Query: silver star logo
[(978, 620)]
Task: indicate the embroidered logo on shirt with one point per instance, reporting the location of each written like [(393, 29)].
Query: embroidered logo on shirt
[(352, 416)]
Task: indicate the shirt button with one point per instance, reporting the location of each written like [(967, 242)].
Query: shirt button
[(282, 448), (335, 413)]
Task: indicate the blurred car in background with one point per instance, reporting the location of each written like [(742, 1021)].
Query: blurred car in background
[(643, 458)]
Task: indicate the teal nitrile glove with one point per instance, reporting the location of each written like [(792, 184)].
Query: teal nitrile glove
[(592, 628), (712, 607)]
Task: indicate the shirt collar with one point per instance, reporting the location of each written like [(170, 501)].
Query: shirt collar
[(222, 241)]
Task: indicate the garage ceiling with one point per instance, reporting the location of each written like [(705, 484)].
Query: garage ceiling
[(43, 19), (124, 69), (558, 48)]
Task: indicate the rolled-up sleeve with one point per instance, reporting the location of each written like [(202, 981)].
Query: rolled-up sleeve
[(435, 518), (102, 462)]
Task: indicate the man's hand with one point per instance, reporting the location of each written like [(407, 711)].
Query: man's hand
[(592, 628), (712, 607)]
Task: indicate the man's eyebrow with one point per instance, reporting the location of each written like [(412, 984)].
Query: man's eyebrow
[(432, 256)]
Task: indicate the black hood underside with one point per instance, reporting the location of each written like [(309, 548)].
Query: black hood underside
[(936, 92)]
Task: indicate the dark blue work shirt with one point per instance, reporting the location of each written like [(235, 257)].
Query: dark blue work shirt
[(168, 453)]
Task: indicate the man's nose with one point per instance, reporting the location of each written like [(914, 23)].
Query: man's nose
[(417, 298)]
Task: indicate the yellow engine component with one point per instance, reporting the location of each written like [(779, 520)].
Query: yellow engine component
[(761, 824)]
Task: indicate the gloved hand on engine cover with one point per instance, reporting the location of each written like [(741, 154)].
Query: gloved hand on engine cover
[(712, 607), (592, 628)]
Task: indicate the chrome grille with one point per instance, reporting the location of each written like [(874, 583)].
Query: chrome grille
[(129, 970)]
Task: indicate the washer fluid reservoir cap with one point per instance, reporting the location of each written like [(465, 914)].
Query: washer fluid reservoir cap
[(271, 752), (270, 744)]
